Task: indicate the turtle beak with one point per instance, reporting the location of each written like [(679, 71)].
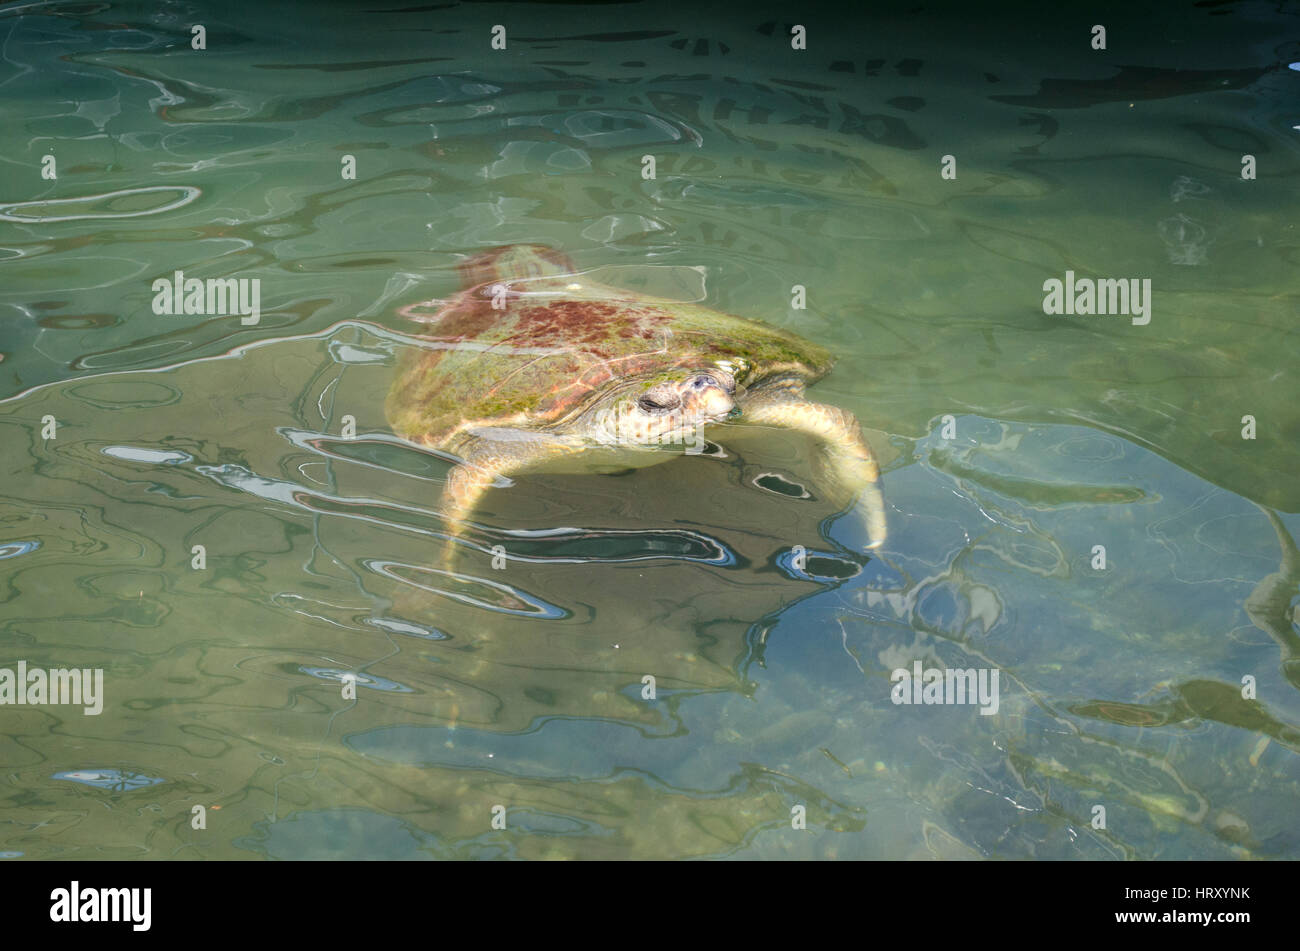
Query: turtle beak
[(707, 396), (710, 402), (719, 404)]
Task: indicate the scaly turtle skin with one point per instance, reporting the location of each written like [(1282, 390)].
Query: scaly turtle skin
[(534, 365)]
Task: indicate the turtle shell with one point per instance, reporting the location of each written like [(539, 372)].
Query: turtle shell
[(529, 342)]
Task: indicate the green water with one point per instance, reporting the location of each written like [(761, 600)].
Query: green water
[(522, 687)]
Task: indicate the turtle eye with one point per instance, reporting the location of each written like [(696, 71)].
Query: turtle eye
[(659, 399)]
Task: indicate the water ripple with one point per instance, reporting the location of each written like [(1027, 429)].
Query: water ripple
[(14, 549), (492, 595), (97, 206)]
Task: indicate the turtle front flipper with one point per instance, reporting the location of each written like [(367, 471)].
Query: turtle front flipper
[(848, 458), (486, 456)]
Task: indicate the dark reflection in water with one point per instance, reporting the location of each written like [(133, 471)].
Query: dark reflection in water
[(1133, 83), (1197, 700), (607, 545)]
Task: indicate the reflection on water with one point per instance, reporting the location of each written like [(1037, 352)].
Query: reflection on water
[(108, 779), (315, 676)]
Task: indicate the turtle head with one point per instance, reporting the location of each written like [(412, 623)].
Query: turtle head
[(704, 396), (669, 411)]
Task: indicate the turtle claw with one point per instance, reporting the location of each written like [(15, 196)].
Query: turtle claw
[(871, 507), (853, 469)]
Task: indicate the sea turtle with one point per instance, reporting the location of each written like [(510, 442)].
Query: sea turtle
[(533, 365)]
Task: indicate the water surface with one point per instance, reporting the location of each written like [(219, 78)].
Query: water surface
[(522, 687)]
